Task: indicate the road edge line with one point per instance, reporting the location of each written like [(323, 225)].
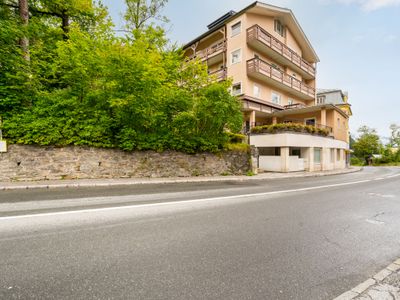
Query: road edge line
[(312, 188), (43, 185)]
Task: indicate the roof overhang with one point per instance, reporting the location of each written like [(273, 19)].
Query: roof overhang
[(287, 17), (284, 14), (310, 109)]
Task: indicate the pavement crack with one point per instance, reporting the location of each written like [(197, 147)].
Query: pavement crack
[(392, 295), (375, 219), (378, 215), (331, 242)]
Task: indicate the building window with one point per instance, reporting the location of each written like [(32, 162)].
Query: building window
[(338, 156), (295, 152), (317, 155), (256, 91), (338, 122), (236, 28), (277, 151), (276, 98), (280, 28), (237, 89), (332, 155), (270, 151), (321, 99), (236, 56), (311, 122), (290, 102)]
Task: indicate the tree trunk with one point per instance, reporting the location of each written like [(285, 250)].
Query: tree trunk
[(24, 14), (65, 23)]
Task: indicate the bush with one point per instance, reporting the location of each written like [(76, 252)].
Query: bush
[(239, 147), (236, 138), (282, 127), (355, 161)]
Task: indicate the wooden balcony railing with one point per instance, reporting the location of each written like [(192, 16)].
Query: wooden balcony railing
[(219, 74), (257, 33), (259, 66), (205, 54), (295, 106)]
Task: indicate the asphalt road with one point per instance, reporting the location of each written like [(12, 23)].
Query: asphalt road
[(305, 238)]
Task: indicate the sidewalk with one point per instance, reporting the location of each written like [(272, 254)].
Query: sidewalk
[(140, 181), (383, 286)]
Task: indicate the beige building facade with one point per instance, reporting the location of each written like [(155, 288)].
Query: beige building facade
[(272, 65)]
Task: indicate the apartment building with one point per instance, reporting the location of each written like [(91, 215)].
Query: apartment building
[(272, 65)]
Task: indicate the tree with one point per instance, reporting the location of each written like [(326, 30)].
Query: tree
[(395, 135), (367, 144), (24, 14), (140, 12), (99, 89)]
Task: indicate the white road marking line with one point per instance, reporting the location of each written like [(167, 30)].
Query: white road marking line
[(393, 176), (61, 213), (375, 222), (382, 195)]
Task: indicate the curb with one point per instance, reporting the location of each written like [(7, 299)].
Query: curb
[(132, 182), (374, 280)]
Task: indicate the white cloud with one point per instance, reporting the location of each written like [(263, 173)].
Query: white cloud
[(371, 5)]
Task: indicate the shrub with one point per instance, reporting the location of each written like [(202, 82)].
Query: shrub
[(236, 138), (239, 147), (355, 161), (281, 127)]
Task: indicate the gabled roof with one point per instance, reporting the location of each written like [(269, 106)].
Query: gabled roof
[(287, 17)]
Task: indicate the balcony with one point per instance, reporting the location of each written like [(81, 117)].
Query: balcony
[(263, 71), (264, 42), (220, 75), (212, 54)]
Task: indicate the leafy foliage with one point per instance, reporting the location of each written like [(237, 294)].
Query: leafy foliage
[(97, 89), (369, 147), (395, 135), (367, 144), (276, 128)]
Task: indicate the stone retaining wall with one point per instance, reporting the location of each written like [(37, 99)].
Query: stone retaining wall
[(22, 163)]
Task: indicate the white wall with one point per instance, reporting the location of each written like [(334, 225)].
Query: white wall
[(296, 140), (274, 163), (296, 164), (270, 163)]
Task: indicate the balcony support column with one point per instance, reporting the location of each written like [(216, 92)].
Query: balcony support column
[(285, 163), (274, 120), (325, 159), (310, 166), (253, 118), (323, 117)]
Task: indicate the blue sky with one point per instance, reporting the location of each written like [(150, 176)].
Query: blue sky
[(358, 42)]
